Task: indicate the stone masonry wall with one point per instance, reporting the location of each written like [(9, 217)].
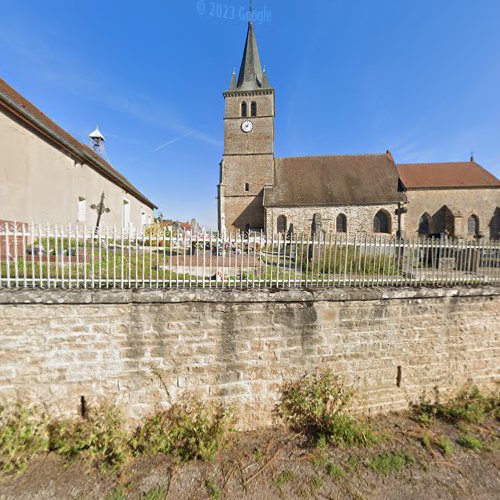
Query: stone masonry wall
[(359, 218), (146, 348)]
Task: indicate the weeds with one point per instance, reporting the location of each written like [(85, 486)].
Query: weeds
[(193, 431), (283, 478), (213, 489), (445, 446), (390, 463), (470, 406), (314, 405), (158, 493), (470, 442), (100, 438), (335, 471), (258, 455), (426, 441), (23, 435)]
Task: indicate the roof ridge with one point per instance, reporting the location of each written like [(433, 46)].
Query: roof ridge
[(441, 163), (332, 156)]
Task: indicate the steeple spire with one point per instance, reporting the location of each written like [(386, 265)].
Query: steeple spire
[(251, 76)]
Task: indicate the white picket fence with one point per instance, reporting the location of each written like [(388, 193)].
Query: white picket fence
[(34, 256)]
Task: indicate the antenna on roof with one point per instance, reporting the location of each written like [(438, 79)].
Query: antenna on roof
[(472, 156), (97, 141), (251, 9)]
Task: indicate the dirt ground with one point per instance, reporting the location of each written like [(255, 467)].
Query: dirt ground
[(277, 464)]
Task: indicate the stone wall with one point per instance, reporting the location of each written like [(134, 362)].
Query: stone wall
[(359, 218), (146, 348), (484, 203)]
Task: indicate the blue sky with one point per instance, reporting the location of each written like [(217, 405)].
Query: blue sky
[(420, 77)]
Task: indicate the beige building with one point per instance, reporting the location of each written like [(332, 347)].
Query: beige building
[(47, 176), (368, 194)]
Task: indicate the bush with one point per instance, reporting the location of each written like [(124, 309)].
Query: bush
[(470, 405), (23, 434), (314, 404), (100, 438), (193, 431), (333, 259)]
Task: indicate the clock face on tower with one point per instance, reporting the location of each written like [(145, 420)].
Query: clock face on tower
[(247, 126)]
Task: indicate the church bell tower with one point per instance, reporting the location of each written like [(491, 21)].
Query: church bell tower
[(248, 162)]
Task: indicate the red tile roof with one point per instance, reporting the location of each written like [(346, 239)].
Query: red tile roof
[(11, 100), (446, 175)]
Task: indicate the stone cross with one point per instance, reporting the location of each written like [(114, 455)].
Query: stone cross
[(101, 209)]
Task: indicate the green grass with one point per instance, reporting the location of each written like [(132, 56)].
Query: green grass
[(333, 470), (283, 478), (445, 446), (470, 442), (157, 493), (426, 441), (212, 489), (389, 463)]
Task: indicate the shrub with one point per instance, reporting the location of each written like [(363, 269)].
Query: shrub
[(390, 463), (100, 438), (23, 434), (470, 405), (314, 405), (333, 259), (193, 431)]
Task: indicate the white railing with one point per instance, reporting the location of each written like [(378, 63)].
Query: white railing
[(34, 256)]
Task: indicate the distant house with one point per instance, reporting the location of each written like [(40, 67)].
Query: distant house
[(48, 176)]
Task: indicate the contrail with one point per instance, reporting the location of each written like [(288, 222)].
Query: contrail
[(177, 139)]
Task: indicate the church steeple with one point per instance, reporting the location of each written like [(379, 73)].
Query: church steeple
[(251, 76)]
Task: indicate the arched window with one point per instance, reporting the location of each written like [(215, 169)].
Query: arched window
[(244, 109), (253, 108), (424, 225), (382, 222), (473, 225), (341, 223)]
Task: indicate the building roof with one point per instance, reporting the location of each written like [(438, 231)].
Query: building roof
[(446, 175), (251, 76), (27, 112), (335, 180)]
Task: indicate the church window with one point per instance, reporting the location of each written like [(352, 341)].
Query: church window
[(281, 224), (253, 108), (247, 187), (424, 225), (82, 209), (126, 213), (382, 222), (473, 225), (244, 109), (341, 224)]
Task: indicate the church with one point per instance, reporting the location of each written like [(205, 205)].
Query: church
[(367, 193)]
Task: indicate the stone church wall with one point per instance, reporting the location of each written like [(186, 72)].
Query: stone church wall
[(145, 348), (359, 218), (484, 203)]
